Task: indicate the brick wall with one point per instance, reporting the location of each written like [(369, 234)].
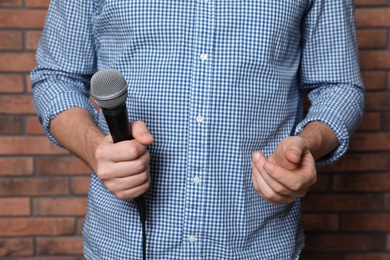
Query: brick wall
[(43, 189)]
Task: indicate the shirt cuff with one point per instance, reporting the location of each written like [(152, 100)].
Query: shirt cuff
[(65, 101), (340, 131)]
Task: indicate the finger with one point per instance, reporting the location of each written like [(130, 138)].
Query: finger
[(109, 170), (261, 186), (258, 160), (141, 133), (297, 182), (133, 193), (274, 184), (289, 152), (267, 193), (121, 151), (127, 183)]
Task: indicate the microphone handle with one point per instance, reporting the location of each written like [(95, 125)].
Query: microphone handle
[(118, 124)]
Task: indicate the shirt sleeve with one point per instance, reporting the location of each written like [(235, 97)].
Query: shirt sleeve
[(65, 61), (330, 71)]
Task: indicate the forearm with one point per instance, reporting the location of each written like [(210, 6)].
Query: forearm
[(77, 132), (320, 139)]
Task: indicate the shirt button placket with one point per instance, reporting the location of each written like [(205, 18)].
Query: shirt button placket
[(198, 146)]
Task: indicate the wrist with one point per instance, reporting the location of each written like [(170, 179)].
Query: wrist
[(319, 138)]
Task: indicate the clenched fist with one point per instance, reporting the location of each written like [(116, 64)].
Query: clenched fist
[(124, 166)]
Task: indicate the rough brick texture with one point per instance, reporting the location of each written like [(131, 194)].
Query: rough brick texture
[(43, 189)]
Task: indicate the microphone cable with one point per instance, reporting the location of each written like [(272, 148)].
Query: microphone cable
[(141, 205)]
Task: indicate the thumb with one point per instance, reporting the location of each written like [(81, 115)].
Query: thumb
[(141, 133), (289, 153)]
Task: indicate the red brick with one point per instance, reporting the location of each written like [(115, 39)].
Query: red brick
[(369, 256), (14, 207), (39, 145), (11, 40), (16, 166), (321, 184), (60, 206), (375, 59), (47, 258), (370, 142), (60, 246), (371, 2), (80, 185), (371, 122), (372, 17), (37, 3), (33, 186), (341, 202), (378, 101), (344, 242), (32, 40), (11, 125), (374, 80), (11, 83), (14, 104), (387, 202), (362, 182), (320, 256), (16, 247), (388, 74), (17, 62), (386, 121), (28, 83), (388, 242), (366, 222), (37, 226), (62, 165), (33, 126), (358, 163), (372, 38), (80, 225), (320, 222), (11, 3), (22, 19)]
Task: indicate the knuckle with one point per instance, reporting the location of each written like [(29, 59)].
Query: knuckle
[(141, 164), (269, 195), (297, 186), (120, 195), (103, 173), (110, 186), (100, 153), (146, 178), (135, 150), (279, 189)]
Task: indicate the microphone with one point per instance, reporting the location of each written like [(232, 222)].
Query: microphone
[(109, 89)]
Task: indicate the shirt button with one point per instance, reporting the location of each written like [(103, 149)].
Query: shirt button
[(196, 180), (199, 119), (192, 238), (203, 57)]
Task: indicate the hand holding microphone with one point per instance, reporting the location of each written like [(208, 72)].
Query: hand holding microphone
[(123, 166), (122, 158)]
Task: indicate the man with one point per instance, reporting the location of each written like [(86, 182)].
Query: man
[(221, 151)]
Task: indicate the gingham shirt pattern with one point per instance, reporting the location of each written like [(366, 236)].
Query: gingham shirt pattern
[(214, 80)]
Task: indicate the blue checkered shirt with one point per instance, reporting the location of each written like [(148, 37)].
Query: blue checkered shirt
[(214, 80)]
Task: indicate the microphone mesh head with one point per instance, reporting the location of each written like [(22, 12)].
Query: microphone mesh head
[(109, 88)]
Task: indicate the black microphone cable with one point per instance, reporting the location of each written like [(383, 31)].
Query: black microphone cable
[(109, 89)]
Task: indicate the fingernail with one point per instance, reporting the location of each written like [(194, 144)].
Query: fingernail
[(268, 167), (255, 156)]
